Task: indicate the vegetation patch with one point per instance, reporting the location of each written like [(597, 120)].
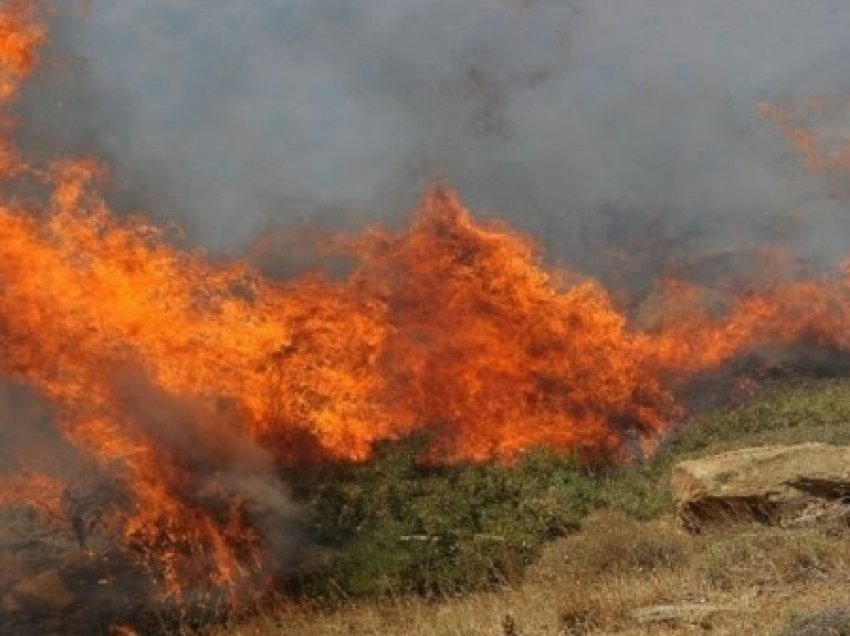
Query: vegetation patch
[(394, 526)]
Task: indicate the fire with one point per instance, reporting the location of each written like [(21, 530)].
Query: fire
[(22, 33), (173, 372), (817, 130), (494, 351), (26, 487)]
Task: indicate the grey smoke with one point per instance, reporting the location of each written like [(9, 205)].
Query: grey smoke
[(220, 460), (208, 444), (585, 122), (582, 121)]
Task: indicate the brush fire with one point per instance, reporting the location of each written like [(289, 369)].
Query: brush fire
[(182, 384)]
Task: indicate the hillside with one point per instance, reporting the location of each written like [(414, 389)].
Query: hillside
[(631, 554)]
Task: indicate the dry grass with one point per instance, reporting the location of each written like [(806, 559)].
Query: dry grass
[(788, 582), (833, 621), (591, 583)]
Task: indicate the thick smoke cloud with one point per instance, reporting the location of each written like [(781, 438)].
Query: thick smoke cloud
[(583, 121)]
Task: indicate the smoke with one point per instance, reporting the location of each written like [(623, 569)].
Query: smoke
[(56, 505), (223, 464), (588, 123), (582, 121)]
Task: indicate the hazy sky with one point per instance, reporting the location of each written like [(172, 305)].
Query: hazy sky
[(562, 115)]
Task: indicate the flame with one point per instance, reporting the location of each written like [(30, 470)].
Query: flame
[(817, 131), (22, 33), (25, 487), (162, 363)]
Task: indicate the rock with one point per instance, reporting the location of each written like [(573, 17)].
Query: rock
[(46, 590), (690, 613), (772, 484)]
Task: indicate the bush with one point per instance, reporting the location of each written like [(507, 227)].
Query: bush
[(394, 526), (792, 411)]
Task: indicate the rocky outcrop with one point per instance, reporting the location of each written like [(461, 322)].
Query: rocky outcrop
[(773, 484)]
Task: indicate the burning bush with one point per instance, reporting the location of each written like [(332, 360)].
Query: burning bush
[(187, 385)]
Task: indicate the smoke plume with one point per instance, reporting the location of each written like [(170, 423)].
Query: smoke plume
[(582, 121), (154, 393)]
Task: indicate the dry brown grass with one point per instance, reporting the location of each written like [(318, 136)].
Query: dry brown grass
[(789, 582), (592, 582)]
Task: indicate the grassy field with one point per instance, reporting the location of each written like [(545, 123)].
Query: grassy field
[(550, 549)]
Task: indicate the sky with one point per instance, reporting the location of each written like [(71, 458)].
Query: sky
[(580, 121)]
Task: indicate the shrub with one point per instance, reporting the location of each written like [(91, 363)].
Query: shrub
[(394, 526)]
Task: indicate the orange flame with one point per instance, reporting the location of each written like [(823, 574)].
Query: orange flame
[(22, 32), (158, 360)]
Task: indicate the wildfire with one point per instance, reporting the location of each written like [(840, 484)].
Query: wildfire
[(25, 487), (818, 131), (173, 372)]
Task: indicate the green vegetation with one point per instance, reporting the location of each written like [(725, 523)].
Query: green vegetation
[(398, 527), (795, 411), (393, 526)]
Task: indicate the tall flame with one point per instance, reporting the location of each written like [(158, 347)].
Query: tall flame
[(160, 363)]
